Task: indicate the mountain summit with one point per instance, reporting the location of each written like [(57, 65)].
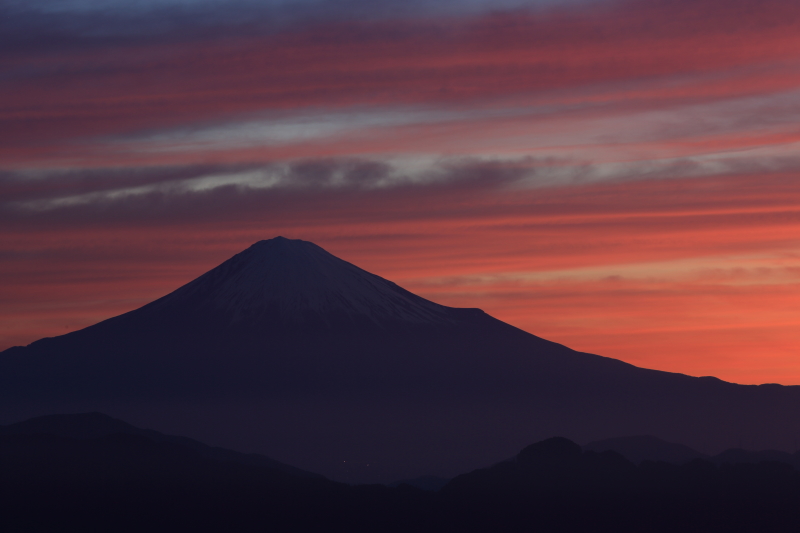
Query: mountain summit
[(294, 280), (289, 351)]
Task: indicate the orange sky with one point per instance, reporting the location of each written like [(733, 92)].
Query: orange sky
[(620, 177)]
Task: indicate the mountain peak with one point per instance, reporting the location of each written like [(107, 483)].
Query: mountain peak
[(283, 248), (282, 241), (296, 280)]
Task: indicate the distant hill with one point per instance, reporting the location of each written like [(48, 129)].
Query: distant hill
[(739, 456), (293, 353), (83, 426), (128, 482), (431, 483), (94, 473), (646, 448), (553, 486)]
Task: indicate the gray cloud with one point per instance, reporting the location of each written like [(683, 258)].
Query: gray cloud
[(194, 191)]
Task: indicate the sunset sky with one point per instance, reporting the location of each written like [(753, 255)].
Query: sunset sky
[(622, 177)]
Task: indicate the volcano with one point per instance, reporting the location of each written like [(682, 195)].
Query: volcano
[(288, 351)]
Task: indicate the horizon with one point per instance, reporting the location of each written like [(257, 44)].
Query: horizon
[(619, 177)]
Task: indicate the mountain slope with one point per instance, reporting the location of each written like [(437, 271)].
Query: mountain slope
[(288, 351)]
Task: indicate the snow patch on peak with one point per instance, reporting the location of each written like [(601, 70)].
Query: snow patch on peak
[(298, 277)]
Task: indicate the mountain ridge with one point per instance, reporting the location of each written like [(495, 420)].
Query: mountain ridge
[(94, 425), (127, 482)]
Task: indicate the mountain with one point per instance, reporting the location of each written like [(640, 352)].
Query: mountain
[(90, 472), (739, 456), (646, 448), (288, 351), (428, 483), (130, 482), (554, 486), (87, 426)]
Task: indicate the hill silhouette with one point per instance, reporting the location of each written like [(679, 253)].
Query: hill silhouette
[(646, 448), (555, 486), (83, 426), (290, 352), (78, 473), (99, 481)]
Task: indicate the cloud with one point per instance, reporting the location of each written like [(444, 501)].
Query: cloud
[(485, 82), (53, 190), (133, 190), (620, 176)]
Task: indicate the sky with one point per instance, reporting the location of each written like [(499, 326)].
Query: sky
[(622, 177)]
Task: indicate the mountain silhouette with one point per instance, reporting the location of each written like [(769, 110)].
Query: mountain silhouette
[(554, 486), (91, 472), (646, 448), (288, 351), (86, 426)]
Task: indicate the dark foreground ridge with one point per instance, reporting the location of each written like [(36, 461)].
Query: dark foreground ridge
[(648, 448), (555, 486), (86, 426), (293, 353), (140, 481)]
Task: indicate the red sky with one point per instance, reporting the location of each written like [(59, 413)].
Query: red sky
[(620, 177)]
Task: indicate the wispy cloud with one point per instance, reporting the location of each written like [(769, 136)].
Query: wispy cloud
[(649, 76), (48, 190)]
